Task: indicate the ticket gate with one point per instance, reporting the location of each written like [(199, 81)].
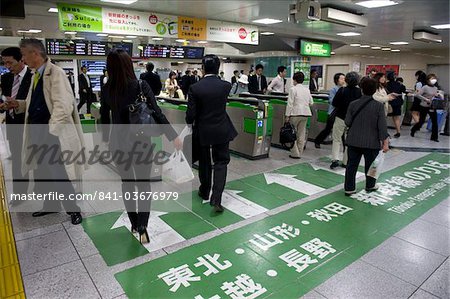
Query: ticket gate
[(251, 117)]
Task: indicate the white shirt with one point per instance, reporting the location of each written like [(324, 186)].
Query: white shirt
[(276, 85), (299, 101), (22, 74)]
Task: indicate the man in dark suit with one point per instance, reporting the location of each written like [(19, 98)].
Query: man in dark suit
[(152, 79), (186, 82), (195, 77), (313, 85), (15, 86), (84, 90), (207, 113), (235, 77), (257, 84)]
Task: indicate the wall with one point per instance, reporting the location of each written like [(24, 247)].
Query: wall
[(409, 62)]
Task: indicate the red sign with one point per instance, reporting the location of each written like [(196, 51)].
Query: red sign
[(383, 68), (153, 19), (242, 33)]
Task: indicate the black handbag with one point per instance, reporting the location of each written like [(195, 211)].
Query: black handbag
[(288, 136), (143, 123)]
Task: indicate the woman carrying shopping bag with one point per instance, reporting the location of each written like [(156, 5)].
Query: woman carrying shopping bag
[(297, 112), (120, 92), (367, 135)]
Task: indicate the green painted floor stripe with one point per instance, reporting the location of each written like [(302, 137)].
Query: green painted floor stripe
[(355, 229), (115, 246)]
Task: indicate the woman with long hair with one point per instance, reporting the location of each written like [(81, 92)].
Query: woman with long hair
[(172, 87), (381, 94), (122, 90)]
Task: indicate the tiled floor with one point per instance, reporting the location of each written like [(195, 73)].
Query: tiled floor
[(59, 260)]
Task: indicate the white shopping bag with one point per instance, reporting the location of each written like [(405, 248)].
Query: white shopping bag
[(177, 169), (186, 131), (377, 166)]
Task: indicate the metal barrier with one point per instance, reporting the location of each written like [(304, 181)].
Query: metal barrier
[(11, 284)]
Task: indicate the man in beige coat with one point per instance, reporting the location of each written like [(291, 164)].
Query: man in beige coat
[(51, 122)]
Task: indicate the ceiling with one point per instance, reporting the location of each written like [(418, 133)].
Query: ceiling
[(394, 23)]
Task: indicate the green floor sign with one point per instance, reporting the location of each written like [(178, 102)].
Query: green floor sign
[(290, 253)]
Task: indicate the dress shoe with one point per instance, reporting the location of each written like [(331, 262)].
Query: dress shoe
[(350, 193), (397, 135), (143, 235), (412, 133), (445, 134), (334, 164), (203, 196), (372, 189), (41, 213), (218, 208), (435, 140), (317, 145), (295, 158), (76, 218)]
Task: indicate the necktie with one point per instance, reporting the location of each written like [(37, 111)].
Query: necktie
[(36, 79), (15, 89)]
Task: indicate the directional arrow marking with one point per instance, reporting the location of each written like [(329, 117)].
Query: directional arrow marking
[(326, 166), (160, 233), (231, 200), (289, 181)]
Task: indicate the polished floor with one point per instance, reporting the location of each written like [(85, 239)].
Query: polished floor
[(371, 252)]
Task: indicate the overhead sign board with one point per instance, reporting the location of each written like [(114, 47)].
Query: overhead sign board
[(311, 48), (74, 17)]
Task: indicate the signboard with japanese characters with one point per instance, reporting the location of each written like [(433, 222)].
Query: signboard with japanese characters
[(126, 22), (232, 33), (74, 17)]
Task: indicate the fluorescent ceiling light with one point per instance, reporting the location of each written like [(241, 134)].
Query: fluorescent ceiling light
[(267, 21), (399, 43), (395, 50), (267, 33), (127, 41), (180, 40), (202, 42), (35, 30), (1, 28), (180, 62), (333, 53), (157, 38), (376, 3), (70, 32), (131, 36), (127, 2), (355, 45), (364, 46), (52, 9), (385, 49), (102, 34), (349, 33), (376, 48), (442, 26), (116, 36)]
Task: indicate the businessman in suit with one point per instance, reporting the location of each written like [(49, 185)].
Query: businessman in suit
[(84, 90), (258, 82), (15, 86), (152, 79), (207, 113), (313, 85)]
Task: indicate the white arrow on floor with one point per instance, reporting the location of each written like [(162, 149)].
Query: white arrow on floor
[(326, 166), (289, 181), (160, 233), (231, 200)]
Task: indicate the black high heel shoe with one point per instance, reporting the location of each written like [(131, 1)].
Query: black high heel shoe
[(143, 235), (133, 229)]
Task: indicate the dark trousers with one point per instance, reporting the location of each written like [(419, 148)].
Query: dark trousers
[(221, 157), (354, 157), (136, 178), (327, 131), (423, 115), (50, 176), (85, 98), (20, 182)]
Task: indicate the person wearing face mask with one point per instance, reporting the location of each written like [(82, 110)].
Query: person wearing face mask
[(426, 95)]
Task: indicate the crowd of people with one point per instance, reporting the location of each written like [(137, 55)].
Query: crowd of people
[(43, 96)]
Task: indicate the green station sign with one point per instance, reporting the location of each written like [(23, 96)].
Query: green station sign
[(75, 17), (309, 48)]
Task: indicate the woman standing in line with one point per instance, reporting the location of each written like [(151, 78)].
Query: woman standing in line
[(122, 90), (297, 112), (426, 95)]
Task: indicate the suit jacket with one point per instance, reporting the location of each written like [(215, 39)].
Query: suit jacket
[(64, 122), (253, 86), (153, 80), (312, 85), (186, 82), (206, 111), (7, 84), (83, 84)]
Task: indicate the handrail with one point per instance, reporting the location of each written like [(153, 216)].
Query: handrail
[(11, 283)]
